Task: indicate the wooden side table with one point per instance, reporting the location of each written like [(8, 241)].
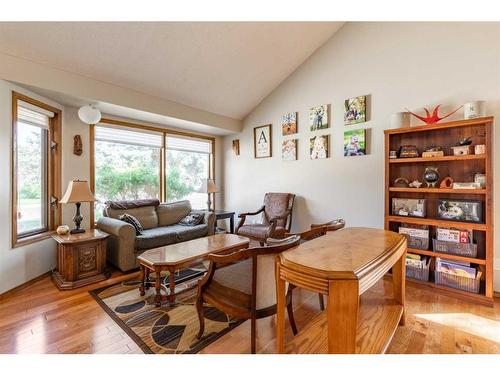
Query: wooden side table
[(221, 215), (81, 259)]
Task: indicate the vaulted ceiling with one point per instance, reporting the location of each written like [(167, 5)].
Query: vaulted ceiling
[(225, 68)]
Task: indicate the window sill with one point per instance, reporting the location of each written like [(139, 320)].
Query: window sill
[(18, 242)]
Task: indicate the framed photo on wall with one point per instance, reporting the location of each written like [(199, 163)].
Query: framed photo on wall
[(262, 141)]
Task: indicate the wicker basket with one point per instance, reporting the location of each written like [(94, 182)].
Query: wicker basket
[(455, 248), (417, 242), (457, 282), (418, 273)]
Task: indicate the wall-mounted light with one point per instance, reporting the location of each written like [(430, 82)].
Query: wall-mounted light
[(89, 114)]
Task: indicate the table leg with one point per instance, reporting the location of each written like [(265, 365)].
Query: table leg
[(231, 224), (143, 281), (171, 280), (147, 278), (398, 284), (280, 313), (342, 316), (158, 289)]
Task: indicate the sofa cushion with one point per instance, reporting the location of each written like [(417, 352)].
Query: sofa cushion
[(172, 213), (146, 215), (192, 219), (162, 236), (132, 221)]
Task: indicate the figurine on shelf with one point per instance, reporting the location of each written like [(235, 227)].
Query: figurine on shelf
[(401, 182), (431, 176), (434, 118), (415, 184), (464, 142), (447, 183)]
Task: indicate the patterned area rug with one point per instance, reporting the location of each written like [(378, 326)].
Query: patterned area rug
[(166, 329)]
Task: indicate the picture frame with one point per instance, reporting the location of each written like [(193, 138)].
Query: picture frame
[(289, 123), (409, 207), (355, 142), (262, 141), (355, 110), (236, 147), (319, 147), (460, 210), (289, 149), (319, 117)]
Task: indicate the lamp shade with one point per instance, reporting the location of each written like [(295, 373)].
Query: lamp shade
[(211, 187), (89, 114), (77, 191)]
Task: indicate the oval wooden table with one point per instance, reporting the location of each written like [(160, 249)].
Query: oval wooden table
[(343, 265)]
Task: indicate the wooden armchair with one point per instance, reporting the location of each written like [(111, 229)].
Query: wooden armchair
[(242, 284), (331, 225), (276, 218)]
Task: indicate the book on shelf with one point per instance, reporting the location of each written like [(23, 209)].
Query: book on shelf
[(457, 268)]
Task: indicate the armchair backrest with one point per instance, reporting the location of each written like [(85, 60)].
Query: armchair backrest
[(264, 280), (276, 205)]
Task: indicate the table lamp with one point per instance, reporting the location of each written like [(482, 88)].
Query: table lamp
[(211, 188), (77, 192)]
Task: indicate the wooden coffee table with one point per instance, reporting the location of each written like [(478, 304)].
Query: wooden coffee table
[(181, 255)]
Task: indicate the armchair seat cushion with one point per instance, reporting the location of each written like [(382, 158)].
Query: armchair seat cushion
[(259, 231), (162, 236)]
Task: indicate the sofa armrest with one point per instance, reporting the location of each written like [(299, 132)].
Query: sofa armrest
[(121, 243), (116, 227), (209, 219)]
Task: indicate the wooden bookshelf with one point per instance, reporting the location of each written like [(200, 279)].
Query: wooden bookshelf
[(461, 169)]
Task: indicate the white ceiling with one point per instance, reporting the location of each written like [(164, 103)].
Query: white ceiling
[(222, 67)]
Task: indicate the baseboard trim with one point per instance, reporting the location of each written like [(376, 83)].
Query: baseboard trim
[(24, 285)]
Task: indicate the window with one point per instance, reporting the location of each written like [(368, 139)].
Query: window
[(187, 169), (35, 169), (135, 162), (127, 165)]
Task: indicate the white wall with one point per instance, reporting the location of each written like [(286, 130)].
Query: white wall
[(22, 263), (400, 65)]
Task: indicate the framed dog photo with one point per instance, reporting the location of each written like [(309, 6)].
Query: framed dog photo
[(262, 141)]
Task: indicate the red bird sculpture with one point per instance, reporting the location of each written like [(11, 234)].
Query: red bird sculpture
[(434, 118)]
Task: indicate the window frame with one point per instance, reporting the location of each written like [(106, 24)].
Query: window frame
[(51, 176), (163, 154)]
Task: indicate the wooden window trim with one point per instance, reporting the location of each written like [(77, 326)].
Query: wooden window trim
[(53, 183), (163, 153)]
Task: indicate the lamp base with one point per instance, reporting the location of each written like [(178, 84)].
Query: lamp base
[(77, 230)]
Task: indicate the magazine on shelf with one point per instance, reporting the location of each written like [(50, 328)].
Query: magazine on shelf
[(414, 232), (455, 268), (454, 235), (417, 263)]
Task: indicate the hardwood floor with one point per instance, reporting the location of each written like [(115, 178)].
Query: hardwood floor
[(42, 319)]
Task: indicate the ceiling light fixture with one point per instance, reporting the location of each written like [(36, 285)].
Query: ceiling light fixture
[(89, 114)]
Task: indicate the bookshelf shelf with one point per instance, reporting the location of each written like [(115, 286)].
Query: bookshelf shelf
[(460, 169), (438, 159), (447, 256), (437, 222), (438, 191)]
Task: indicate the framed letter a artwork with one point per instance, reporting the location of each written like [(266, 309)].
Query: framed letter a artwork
[(262, 141)]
